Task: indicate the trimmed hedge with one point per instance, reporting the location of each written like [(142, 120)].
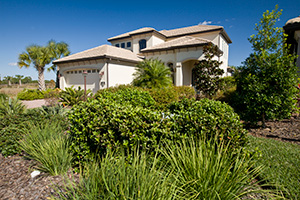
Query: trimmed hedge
[(208, 119), (100, 123)]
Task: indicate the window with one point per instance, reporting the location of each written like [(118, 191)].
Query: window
[(88, 71), (128, 44), (93, 71), (117, 45), (75, 72), (142, 44), (123, 45), (79, 71)]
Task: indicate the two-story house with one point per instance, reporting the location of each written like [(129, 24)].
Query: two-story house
[(111, 65)]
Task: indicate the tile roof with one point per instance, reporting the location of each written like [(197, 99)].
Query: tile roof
[(104, 51), (128, 34), (294, 20), (189, 30), (185, 41)]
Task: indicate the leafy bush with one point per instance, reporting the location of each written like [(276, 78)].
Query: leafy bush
[(52, 97), (164, 96), (49, 146), (209, 119), (72, 96), (127, 94), (28, 94), (100, 124)]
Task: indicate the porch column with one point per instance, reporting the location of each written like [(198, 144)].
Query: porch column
[(178, 74)]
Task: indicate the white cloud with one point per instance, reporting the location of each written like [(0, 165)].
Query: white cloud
[(13, 64), (205, 22)]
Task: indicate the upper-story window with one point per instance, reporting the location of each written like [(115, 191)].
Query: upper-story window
[(128, 44), (142, 44), (117, 45), (122, 45)]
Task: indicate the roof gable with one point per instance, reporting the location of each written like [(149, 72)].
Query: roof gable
[(104, 51), (135, 32)]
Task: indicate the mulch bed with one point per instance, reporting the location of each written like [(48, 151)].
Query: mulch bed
[(16, 182)]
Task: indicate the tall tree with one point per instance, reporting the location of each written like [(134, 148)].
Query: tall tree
[(19, 77), (207, 72), (8, 79), (58, 50), (39, 56), (266, 84), (152, 73)]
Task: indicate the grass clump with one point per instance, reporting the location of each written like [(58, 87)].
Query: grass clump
[(49, 147), (117, 177), (281, 164)]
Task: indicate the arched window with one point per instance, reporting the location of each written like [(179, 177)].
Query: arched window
[(142, 44)]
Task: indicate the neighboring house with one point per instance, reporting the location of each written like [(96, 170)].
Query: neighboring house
[(292, 29), (111, 65)]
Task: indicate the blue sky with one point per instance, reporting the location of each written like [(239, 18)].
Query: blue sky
[(84, 24)]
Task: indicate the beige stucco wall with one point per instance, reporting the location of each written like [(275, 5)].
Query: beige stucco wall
[(119, 74), (223, 45)]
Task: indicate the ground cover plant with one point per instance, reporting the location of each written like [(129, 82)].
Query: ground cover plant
[(188, 169), (49, 147), (281, 164), (14, 126)]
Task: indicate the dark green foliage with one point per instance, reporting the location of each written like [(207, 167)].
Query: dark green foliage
[(208, 119), (266, 84), (127, 95), (71, 96), (207, 72), (152, 73), (99, 124)]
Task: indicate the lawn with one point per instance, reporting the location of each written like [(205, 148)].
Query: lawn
[(281, 164)]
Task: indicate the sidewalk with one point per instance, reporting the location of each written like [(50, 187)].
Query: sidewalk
[(34, 103)]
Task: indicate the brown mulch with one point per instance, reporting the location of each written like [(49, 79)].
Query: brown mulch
[(16, 182), (287, 130)]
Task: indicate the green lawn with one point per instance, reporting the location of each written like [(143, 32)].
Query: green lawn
[(281, 161)]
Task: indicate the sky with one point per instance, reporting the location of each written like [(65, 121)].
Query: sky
[(84, 24)]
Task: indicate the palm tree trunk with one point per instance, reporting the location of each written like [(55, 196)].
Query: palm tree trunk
[(41, 81)]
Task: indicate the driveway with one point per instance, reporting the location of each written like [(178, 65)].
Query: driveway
[(34, 103)]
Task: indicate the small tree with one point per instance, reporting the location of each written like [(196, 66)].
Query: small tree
[(266, 83), (19, 77), (207, 72), (152, 73)]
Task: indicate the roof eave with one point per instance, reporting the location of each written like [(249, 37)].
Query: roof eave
[(96, 57), (192, 33), (172, 48), (225, 35)]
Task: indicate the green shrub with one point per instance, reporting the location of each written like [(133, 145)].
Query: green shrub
[(72, 96), (101, 123), (49, 147), (3, 95), (28, 94), (127, 94), (185, 92), (209, 119)]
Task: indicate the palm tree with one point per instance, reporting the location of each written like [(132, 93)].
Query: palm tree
[(19, 77), (8, 79), (58, 50), (39, 56), (152, 73)]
